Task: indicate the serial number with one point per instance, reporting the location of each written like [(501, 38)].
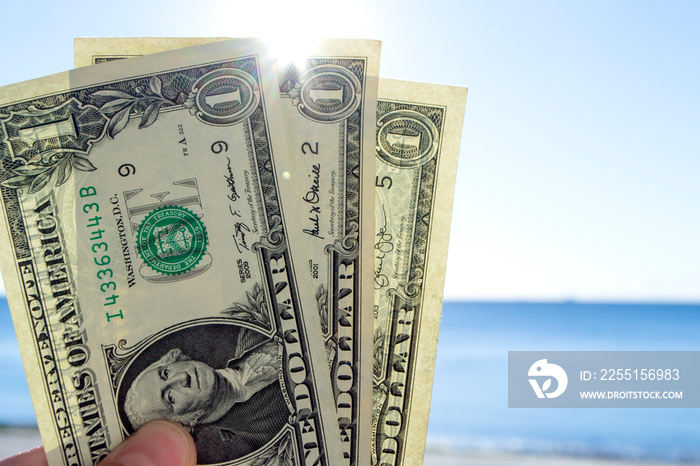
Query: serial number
[(638, 374), (99, 249)]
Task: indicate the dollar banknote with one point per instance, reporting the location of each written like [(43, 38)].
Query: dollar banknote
[(417, 146), (328, 95), (147, 260), (98, 50), (418, 134)]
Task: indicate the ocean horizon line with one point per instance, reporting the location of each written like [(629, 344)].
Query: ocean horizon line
[(561, 300), (8, 426), (609, 302)]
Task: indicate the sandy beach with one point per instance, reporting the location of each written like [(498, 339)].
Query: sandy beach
[(15, 440), (508, 459)]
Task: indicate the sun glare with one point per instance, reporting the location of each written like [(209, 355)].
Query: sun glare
[(295, 31), (295, 51)]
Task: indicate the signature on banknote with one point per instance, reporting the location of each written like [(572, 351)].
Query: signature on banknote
[(383, 246)]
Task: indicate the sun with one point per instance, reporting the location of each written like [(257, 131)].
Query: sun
[(293, 29)]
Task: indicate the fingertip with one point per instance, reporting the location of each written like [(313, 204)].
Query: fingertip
[(179, 436), (158, 443), (34, 457)]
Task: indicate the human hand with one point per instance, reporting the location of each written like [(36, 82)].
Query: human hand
[(158, 443)]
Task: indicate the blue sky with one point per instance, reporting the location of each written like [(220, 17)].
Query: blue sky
[(579, 156)]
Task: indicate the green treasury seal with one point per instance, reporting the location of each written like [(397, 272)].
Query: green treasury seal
[(171, 240)]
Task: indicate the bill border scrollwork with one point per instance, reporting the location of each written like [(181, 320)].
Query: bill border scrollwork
[(342, 81), (425, 150)]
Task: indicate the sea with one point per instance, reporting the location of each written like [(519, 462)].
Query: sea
[(470, 417)]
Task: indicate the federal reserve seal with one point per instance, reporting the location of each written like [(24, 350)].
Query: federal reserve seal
[(171, 240)]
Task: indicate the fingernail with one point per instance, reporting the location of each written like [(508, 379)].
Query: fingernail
[(158, 443)]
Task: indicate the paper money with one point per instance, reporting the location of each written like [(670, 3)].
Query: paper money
[(98, 50), (148, 266), (328, 102), (418, 136)]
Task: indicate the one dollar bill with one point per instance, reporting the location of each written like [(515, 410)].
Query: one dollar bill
[(329, 104), (148, 265), (418, 137)]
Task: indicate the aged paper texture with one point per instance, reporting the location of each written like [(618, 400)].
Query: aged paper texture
[(418, 136), (329, 104)]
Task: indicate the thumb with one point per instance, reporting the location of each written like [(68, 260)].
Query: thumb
[(158, 443)]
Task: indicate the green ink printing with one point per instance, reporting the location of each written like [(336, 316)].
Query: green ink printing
[(171, 240)]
